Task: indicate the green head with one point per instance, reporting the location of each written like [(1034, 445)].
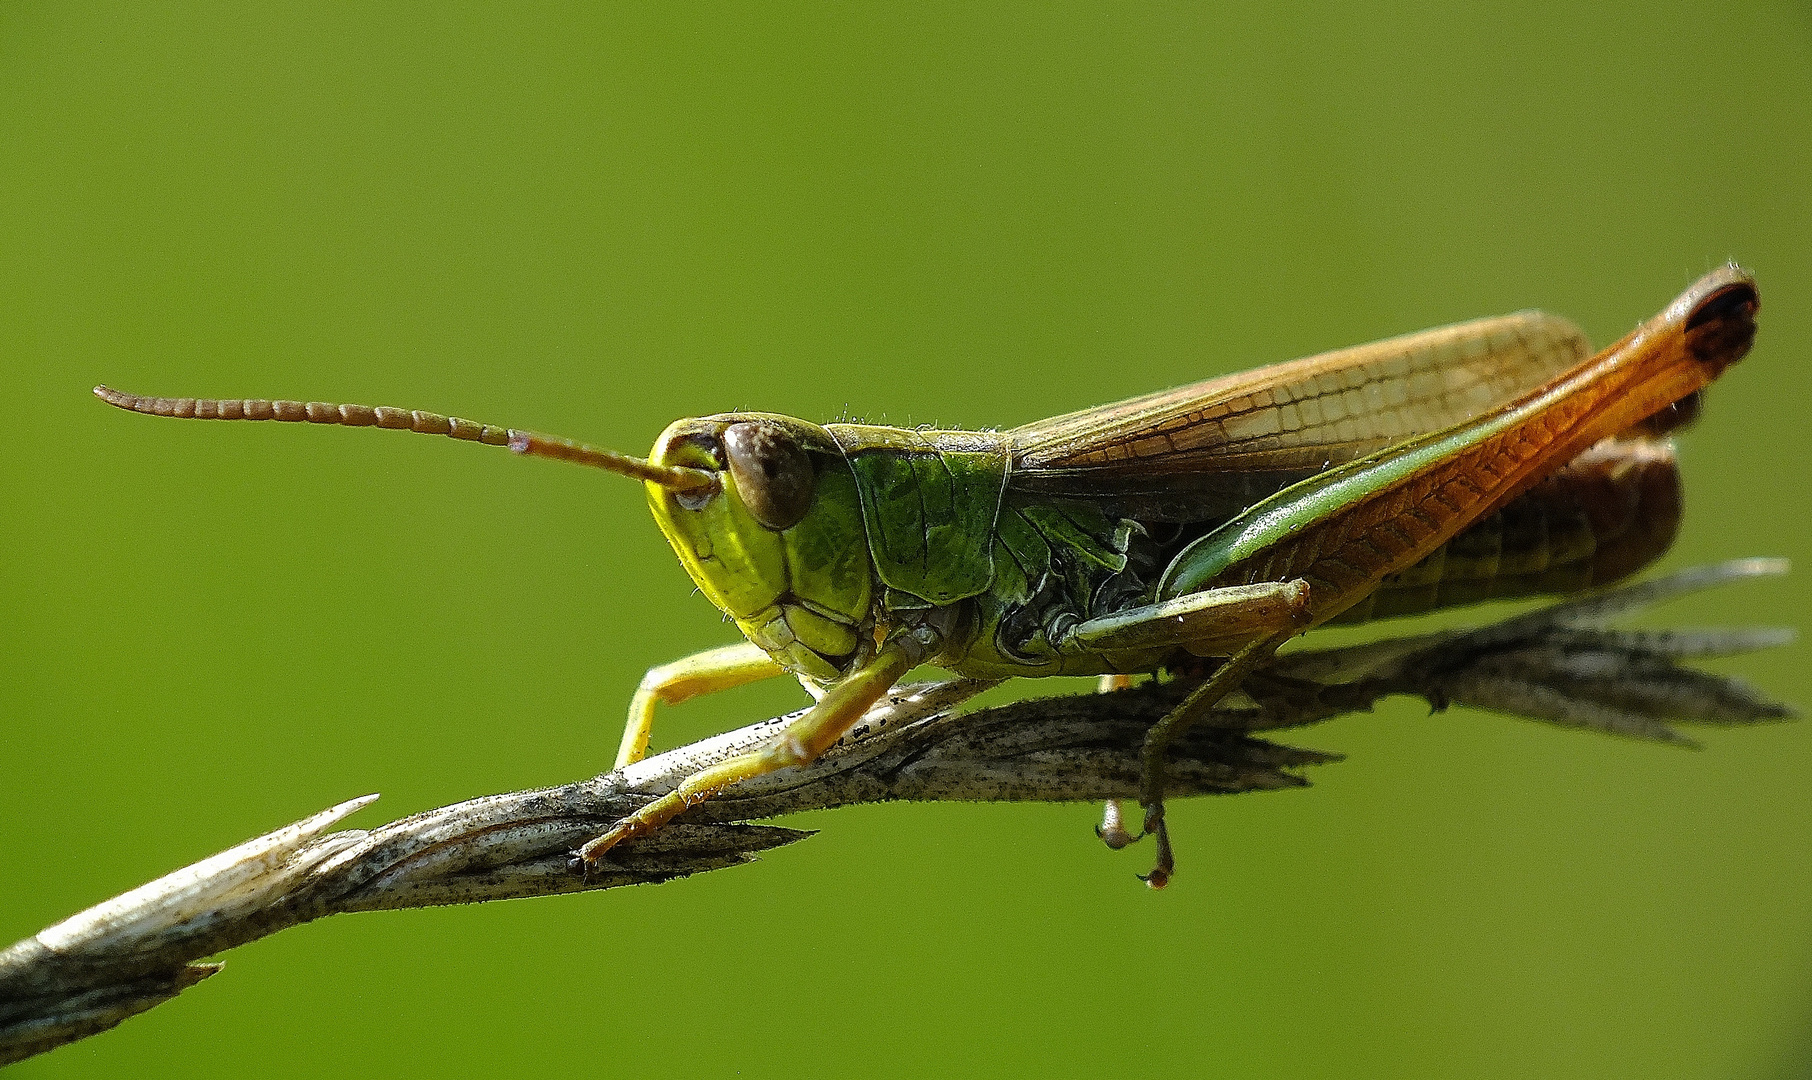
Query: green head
[(777, 541)]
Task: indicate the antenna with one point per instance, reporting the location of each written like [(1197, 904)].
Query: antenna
[(672, 477)]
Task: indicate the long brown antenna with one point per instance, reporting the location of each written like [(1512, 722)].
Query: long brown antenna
[(674, 477)]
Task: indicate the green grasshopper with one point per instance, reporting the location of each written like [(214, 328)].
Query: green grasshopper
[(1195, 529)]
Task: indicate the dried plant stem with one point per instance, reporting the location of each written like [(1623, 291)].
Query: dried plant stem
[(1559, 664)]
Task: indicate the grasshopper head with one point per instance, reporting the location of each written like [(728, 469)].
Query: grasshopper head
[(778, 542)]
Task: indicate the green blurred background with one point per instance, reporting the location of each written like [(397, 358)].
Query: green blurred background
[(594, 221)]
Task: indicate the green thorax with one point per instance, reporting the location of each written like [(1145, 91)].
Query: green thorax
[(898, 521), (943, 529), (930, 501)]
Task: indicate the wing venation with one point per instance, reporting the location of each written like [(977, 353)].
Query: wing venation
[(1219, 441)]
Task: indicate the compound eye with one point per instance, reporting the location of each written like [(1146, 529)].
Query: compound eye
[(772, 473)]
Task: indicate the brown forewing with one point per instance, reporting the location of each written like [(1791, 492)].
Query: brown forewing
[(1208, 450)]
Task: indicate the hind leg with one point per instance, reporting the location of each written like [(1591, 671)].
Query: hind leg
[(1200, 702)]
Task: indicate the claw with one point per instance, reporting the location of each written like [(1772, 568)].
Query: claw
[(586, 865), (1116, 837), (594, 849), (1157, 879), (1112, 829), (1166, 863)]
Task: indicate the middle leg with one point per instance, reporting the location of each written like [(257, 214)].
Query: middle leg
[(1112, 829)]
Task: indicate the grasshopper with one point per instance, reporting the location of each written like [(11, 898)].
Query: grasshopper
[(1190, 530)]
